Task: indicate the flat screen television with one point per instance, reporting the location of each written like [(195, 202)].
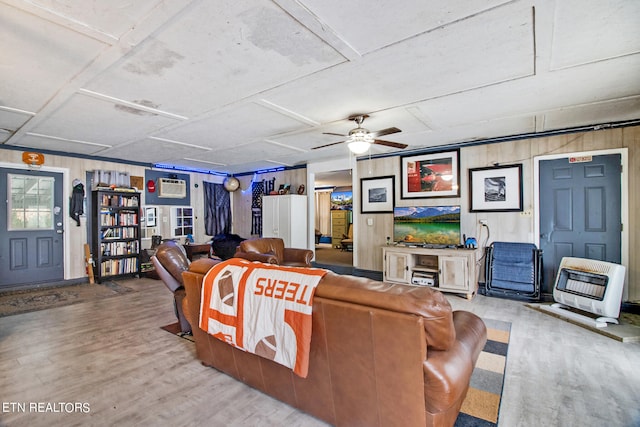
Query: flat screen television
[(427, 225), (342, 200)]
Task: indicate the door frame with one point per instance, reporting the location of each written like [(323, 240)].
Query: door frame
[(66, 259), (624, 199), (344, 163)]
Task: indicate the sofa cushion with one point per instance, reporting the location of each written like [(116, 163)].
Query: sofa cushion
[(422, 301)]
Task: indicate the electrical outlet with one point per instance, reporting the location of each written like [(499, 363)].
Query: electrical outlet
[(483, 222)]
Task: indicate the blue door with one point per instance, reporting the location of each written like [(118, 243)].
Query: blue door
[(580, 211), (31, 227)]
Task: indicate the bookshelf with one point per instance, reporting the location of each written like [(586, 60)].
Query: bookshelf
[(116, 233)]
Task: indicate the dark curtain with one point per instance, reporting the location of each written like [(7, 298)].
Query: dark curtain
[(217, 209)]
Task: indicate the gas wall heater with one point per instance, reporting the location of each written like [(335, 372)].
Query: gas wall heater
[(590, 285)]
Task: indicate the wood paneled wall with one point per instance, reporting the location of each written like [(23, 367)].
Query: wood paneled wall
[(242, 198), (504, 225), (370, 238)]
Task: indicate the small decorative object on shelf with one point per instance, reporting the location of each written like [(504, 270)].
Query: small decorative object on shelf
[(116, 233)]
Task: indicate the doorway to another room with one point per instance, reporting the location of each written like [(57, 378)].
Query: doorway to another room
[(334, 219)]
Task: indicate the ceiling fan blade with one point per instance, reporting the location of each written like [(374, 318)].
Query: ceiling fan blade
[(332, 133), (390, 143), (387, 131), (327, 145)]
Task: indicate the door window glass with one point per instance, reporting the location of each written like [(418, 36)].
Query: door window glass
[(30, 202)]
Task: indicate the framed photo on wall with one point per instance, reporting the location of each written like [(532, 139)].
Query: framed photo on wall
[(377, 194), (496, 189), (430, 175)]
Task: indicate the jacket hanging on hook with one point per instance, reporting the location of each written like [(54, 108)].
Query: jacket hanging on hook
[(76, 204)]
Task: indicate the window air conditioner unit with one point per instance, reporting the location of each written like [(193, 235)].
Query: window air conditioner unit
[(172, 188)]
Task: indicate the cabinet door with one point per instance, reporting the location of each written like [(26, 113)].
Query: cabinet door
[(269, 217), (454, 273), (397, 268), (283, 219)]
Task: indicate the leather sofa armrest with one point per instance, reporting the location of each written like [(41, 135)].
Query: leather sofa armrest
[(252, 256), (295, 255), (165, 276)]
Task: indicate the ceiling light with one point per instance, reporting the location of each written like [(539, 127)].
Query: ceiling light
[(359, 140), (359, 147)]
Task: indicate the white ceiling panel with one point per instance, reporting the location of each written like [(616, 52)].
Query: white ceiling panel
[(13, 119), (479, 131), (234, 126), (392, 20), (216, 53), (583, 115), (602, 30), (38, 58), (458, 57), (154, 151), (253, 84), (44, 142), (4, 135), (83, 118), (112, 17)]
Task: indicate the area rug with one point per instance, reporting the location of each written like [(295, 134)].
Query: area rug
[(482, 404), (174, 328), (25, 301)]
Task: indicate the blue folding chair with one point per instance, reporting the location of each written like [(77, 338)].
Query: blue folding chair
[(513, 270)]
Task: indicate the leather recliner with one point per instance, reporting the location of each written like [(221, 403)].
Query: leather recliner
[(170, 261), (271, 250)]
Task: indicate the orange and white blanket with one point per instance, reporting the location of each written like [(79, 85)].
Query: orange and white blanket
[(261, 308)]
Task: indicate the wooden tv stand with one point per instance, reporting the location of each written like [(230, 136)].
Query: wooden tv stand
[(452, 270)]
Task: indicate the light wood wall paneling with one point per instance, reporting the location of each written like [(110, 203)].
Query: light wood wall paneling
[(243, 197)]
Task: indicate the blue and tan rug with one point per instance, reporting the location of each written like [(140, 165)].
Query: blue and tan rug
[(482, 404)]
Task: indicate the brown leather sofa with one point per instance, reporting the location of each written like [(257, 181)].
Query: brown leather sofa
[(272, 251), (170, 260), (381, 354)]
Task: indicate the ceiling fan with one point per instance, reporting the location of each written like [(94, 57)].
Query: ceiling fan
[(360, 139)]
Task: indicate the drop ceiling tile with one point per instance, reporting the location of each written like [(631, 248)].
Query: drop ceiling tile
[(43, 58), (153, 151), (353, 21), (114, 17), (13, 120), (216, 53), (236, 125), (489, 48), (83, 118), (600, 112), (602, 30), (64, 146)]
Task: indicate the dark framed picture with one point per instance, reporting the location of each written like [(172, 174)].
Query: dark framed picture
[(496, 189), (377, 194), (430, 175)]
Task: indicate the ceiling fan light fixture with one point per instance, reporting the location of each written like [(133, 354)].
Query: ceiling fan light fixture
[(359, 146), (359, 140)]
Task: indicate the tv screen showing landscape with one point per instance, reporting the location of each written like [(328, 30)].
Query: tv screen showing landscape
[(342, 200), (431, 225)]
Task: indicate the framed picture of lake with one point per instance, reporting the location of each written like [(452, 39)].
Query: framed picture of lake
[(496, 189), (377, 194), (430, 175)]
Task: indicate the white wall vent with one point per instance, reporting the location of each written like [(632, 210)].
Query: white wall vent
[(172, 188)]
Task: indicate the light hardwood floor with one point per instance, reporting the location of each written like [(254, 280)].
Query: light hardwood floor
[(112, 355)]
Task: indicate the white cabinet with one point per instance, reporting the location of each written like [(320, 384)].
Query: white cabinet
[(285, 217), (451, 270)]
